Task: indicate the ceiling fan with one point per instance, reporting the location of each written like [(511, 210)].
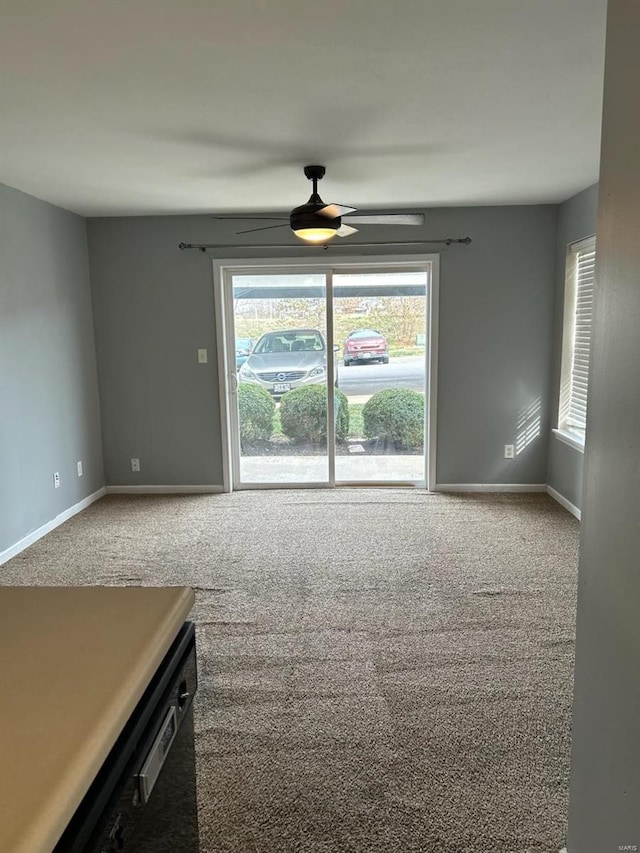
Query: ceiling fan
[(317, 222)]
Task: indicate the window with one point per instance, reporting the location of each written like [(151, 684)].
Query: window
[(576, 342)]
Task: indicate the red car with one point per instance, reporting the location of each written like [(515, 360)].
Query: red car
[(365, 345)]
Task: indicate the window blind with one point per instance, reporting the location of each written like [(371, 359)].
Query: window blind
[(583, 258)]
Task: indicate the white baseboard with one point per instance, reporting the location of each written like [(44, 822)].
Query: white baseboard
[(14, 550), (566, 504), (490, 487), (164, 490)]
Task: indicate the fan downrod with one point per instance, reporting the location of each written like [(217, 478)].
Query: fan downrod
[(315, 174)]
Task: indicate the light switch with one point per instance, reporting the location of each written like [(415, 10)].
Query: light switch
[(203, 356)]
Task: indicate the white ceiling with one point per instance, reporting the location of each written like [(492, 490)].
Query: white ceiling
[(158, 106)]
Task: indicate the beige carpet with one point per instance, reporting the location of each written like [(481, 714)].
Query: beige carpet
[(382, 671)]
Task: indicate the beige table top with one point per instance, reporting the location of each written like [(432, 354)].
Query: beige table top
[(74, 662)]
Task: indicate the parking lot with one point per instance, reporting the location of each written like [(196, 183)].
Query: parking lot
[(363, 380)]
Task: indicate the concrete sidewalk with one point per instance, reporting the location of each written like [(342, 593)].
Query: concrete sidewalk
[(315, 469)]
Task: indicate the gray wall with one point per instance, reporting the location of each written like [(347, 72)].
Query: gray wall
[(154, 307), (604, 809), (576, 220), (49, 411)]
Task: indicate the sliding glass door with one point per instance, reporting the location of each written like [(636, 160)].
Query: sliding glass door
[(327, 373), (379, 320), (280, 369)]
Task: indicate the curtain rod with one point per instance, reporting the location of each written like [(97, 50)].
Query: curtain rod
[(447, 241)]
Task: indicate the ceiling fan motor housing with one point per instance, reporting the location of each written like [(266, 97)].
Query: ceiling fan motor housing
[(307, 216)]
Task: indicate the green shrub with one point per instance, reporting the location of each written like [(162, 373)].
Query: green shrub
[(256, 409), (303, 414), (396, 414), (341, 410)]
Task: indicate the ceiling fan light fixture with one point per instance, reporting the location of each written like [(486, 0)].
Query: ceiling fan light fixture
[(315, 235)]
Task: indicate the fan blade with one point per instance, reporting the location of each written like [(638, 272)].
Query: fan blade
[(345, 230), (332, 211), (264, 228), (389, 219)]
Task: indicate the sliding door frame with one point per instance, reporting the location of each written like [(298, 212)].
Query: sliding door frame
[(224, 268)]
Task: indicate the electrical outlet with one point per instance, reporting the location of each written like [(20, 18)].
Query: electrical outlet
[(203, 356), (79, 467), (509, 451), (56, 480), (135, 464)]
